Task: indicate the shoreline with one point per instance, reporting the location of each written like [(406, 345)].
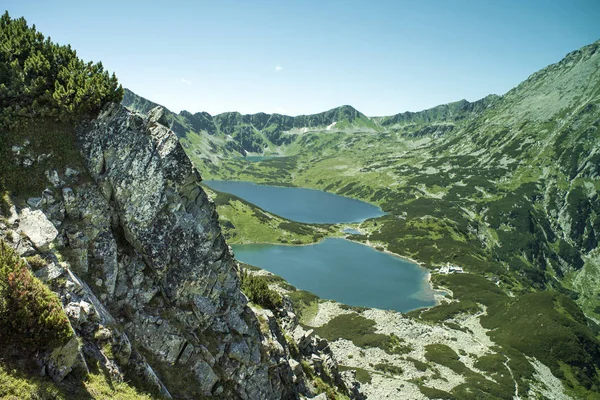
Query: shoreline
[(425, 282)]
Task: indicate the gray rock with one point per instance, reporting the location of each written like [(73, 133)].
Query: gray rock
[(75, 314), (28, 161), (63, 359), (50, 272), (157, 115), (296, 367), (70, 201), (38, 228), (206, 376), (71, 172), (34, 202), (53, 178)]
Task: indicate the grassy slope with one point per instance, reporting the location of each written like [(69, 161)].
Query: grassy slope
[(243, 222)]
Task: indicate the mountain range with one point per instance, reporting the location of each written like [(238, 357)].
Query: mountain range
[(117, 278), (506, 186)]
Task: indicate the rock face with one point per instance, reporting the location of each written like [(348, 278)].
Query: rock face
[(134, 250), (147, 237), (132, 246)]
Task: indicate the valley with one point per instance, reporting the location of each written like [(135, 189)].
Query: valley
[(505, 187), (451, 253)]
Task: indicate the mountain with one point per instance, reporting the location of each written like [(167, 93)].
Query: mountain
[(115, 278), (229, 133), (506, 187)]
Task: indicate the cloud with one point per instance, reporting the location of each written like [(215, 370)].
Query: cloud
[(281, 110), (278, 68), (183, 80)]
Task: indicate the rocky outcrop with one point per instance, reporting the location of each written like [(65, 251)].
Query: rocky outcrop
[(147, 237), (135, 252)]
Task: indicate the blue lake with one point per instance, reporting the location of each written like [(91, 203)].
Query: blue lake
[(345, 271), (300, 204)]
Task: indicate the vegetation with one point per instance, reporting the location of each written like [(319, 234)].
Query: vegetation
[(243, 222), (361, 331), (505, 187), (362, 375), (388, 368), (258, 291), (16, 383), (45, 90), (305, 303), (39, 78), (31, 315)]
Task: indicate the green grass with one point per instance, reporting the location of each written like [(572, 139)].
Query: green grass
[(362, 375), (361, 331), (305, 303), (433, 393), (419, 365), (21, 380), (389, 369), (243, 222), (444, 355), (495, 219)]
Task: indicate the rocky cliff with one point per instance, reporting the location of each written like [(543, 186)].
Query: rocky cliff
[(133, 248)]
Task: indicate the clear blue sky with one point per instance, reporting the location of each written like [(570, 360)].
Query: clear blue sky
[(302, 57)]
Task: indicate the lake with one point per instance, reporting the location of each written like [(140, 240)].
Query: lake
[(300, 204), (345, 271)]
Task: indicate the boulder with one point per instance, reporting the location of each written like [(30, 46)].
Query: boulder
[(36, 226)]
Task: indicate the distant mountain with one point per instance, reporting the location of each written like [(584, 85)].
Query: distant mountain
[(261, 132)]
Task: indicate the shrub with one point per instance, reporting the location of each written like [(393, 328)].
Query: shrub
[(30, 313), (39, 78), (388, 369), (258, 291)]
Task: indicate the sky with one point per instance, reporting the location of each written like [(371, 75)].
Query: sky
[(303, 57)]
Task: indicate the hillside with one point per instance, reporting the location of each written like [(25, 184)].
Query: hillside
[(506, 187), (115, 278)]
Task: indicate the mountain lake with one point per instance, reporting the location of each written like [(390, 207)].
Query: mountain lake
[(345, 271), (300, 204), (335, 268)]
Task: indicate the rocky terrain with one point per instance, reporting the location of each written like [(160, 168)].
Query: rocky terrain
[(117, 280), (132, 246)]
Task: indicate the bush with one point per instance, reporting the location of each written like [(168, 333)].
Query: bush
[(258, 291), (30, 313), (39, 78)]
